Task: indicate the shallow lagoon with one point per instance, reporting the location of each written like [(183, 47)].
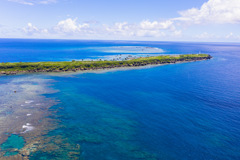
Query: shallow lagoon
[(180, 111)]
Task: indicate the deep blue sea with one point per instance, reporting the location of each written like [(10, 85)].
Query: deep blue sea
[(185, 111)]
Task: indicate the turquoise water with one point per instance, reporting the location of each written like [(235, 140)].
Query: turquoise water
[(180, 111), (13, 143)]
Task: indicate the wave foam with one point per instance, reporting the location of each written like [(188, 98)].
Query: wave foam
[(29, 101), (27, 128)]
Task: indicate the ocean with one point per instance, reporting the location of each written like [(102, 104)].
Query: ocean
[(169, 112)]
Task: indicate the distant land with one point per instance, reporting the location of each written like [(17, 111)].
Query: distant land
[(32, 67)]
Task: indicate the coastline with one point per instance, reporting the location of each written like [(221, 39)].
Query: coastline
[(76, 66), (102, 71)]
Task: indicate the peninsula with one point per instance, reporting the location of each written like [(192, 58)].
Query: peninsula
[(31, 67)]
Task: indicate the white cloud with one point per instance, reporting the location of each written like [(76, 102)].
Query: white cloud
[(30, 29), (67, 25), (205, 36), (213, 11), (70, 26), (156, 25), (145, 28), (149, 33), (120, 28), (33, 2), (223, 14), (232, 36), (177, 33)]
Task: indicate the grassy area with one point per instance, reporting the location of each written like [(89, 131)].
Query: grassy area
[(13, 68)]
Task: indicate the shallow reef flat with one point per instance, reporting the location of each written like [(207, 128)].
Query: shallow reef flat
[(25, 118)]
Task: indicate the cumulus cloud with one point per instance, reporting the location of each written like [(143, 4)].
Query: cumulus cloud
[(70, 26), (211, 36), (232, 36), (33, 2), (156, 25), (30, 29), (213, 11), (177, 33), (221, 12), (145, 28), (120, 28)]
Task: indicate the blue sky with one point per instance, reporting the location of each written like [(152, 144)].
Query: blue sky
[(157, 20)]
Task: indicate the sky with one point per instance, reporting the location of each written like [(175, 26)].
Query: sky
[(147, 20)]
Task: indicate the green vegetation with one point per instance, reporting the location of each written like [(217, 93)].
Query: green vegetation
[(21, 67)]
